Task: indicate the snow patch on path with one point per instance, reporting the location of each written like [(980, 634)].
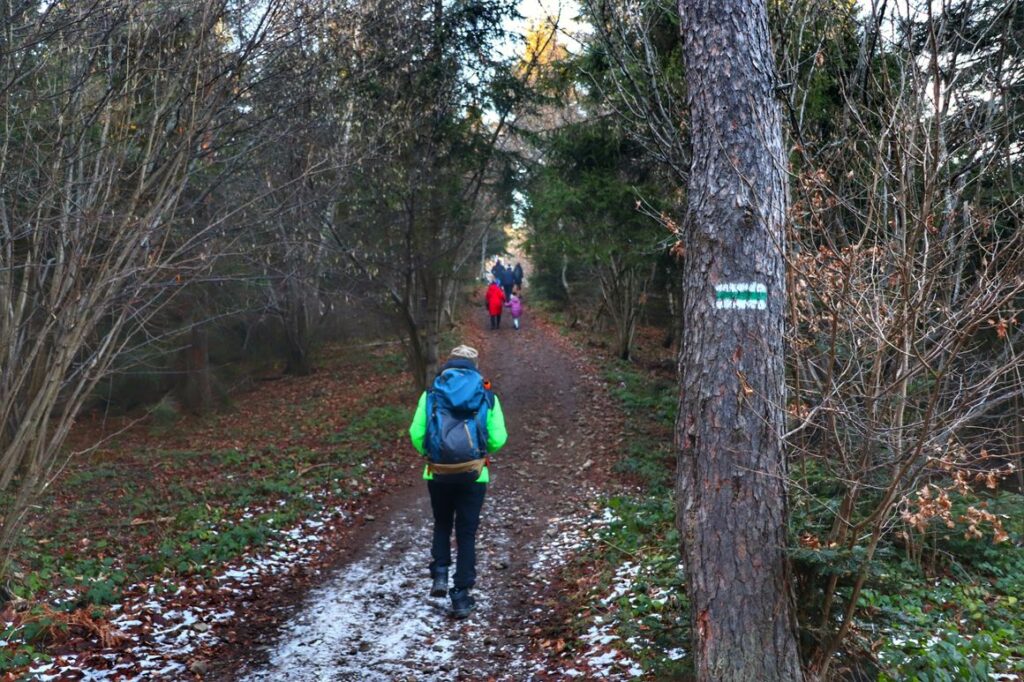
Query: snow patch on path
[(373, 620)]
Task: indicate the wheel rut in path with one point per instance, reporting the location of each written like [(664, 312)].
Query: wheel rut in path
[(373, 620)]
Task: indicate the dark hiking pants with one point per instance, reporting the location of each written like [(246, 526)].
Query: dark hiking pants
[(496, 321), (456, 500)]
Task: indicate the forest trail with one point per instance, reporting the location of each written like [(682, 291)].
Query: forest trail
[(372, 619)]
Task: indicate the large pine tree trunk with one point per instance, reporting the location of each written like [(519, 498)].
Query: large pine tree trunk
[(731, 472)]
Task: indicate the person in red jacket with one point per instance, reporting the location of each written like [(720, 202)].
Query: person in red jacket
[(495, 300)]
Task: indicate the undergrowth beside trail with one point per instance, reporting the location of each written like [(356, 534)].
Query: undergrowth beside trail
[(164, 505), (653, 611), (951, 612), (626, 586)]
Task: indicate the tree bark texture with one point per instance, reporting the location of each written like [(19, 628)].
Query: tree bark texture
[(731, 476), (298, 333), (197, 384)]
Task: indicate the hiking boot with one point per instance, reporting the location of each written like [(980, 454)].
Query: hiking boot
[(462, 603), (440, 586)]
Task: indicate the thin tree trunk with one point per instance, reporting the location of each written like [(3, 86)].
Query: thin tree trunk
[(430, 365), (731, 480), (416, 350), (569, 300), (483, 253), (299, 340), (1018, 444), (433, 334), (197, 388), (673, 317)]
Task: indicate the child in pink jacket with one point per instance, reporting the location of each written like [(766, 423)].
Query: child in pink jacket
[(515, 306)]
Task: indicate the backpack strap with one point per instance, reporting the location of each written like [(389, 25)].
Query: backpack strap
[(481, 423), (430, 407)]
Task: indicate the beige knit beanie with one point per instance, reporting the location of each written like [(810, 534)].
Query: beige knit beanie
[(465, 352)]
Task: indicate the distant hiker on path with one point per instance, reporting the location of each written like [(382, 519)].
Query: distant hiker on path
[(508, 282), (515, 306), (517, 276), (498, 270), (494, 300), (458, 421)]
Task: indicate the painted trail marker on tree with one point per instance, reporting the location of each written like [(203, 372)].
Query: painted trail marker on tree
[(741, 295), (731, 463)]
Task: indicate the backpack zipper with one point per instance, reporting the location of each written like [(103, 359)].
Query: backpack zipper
[(469, 436)]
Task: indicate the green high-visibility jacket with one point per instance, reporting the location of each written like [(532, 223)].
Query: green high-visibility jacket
[(496, 433)]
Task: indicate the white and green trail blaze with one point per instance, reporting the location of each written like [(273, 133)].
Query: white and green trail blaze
[(741, 295)]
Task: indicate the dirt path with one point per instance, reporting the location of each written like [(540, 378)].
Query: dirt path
[(372, 619)]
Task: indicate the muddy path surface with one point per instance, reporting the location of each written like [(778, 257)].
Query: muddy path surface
[(372, 619)]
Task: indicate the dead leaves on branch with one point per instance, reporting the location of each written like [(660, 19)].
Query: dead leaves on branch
[(932, 504), (1002, 325)]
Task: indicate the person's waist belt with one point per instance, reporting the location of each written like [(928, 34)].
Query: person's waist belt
[(476, 465)]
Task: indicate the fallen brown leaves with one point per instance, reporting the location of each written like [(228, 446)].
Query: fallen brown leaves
[(125, 499), (60, 626)]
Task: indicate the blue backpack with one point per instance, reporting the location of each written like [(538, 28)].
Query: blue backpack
[(457, 406)]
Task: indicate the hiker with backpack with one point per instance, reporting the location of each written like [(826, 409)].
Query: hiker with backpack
[(517, 276), (494, 299), (498, 270), (458, 422), (508, 282)]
